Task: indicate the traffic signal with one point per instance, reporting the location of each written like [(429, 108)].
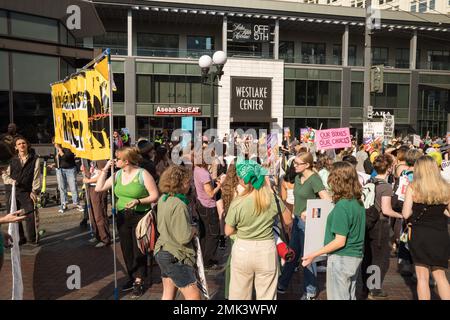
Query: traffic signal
[(377, 79)]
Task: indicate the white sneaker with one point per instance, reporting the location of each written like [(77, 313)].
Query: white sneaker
[(80, 208), (61, 210)]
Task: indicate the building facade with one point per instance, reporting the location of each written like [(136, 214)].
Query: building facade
[(289, 64)]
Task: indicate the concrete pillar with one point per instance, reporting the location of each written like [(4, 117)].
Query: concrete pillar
[(225, 34), (413, 51), (345, 47), (413, 99), (346, 93), (276, 42), (130, 32), (183, 46), (130, 96)]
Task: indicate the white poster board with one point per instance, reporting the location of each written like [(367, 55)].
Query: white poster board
[(446, 170), (388, 126), (317, 212), (416, 140), (373, 130)]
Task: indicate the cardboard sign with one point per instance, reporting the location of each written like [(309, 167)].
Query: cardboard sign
[(445, 165), (317, 212), (402, 186), (333, 138), (388, 120), (372, 131), (416, 140)]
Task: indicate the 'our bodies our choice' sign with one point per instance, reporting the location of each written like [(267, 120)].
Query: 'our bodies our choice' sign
[(251, 99), (333, 138)]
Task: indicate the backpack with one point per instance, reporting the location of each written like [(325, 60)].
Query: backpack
[(368, 198), (147, 233)]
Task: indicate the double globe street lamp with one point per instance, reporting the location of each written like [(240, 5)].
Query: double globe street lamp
[(209, 77)]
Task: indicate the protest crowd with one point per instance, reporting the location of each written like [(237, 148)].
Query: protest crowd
[(387, 198)]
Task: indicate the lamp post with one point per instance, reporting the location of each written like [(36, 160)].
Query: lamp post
[(209, 77)]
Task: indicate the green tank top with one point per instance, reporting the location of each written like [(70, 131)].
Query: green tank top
[(131, 191)]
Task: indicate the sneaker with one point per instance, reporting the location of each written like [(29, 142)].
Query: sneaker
[(377, 295), (93, 240), (281, 290), (101, 245), (61, 210), (128, 286), (307, 296), (79, 208), (138, 290)]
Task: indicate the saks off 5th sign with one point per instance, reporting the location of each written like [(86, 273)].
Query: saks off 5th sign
[(251, 99)]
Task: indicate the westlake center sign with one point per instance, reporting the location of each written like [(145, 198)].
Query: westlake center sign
[(251, 99)]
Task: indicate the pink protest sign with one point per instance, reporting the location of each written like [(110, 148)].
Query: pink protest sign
[(333, 138)]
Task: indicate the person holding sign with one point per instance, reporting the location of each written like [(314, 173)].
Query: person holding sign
[(308, 185), (344, 233)]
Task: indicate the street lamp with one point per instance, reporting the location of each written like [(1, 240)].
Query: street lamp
[(209, 77)]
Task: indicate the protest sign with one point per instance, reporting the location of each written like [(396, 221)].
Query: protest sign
[(448, 138), (445, 165), (317, 212), (416, 140), (333, 138), (303, 132), (446, 170), (372, 131), (388, 120), (81, 112)]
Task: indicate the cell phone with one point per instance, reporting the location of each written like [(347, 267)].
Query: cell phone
[(23, 213)]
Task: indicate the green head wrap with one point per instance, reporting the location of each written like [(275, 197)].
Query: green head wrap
[(251, 172)]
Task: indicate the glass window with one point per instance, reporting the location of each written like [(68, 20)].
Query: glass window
[(402, 58), (357, 95), (313, 53), (286, 51), (144, 88), (34, 73), (391, 95), (289, 92), (323, 96), (245, 49), (199, 45), (312, 93), (118, 122), (159, 45), (352, 55), (337, 54), (116, 41), (423, 6), (439, 60), (432, 4), (300, 93), (413, 7), (4, 111), (4, 67), (62, 34), (26, 26), (32, 114), (3, 22), (181, 89), (334, 94), (119, 81), (380, 56), (403, 96)]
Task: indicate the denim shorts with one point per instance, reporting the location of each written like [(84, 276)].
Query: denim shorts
[(181, 274)]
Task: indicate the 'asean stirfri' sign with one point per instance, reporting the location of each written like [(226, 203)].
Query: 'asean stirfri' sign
[(178, 110)]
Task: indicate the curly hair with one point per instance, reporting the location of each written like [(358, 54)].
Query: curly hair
[(229, 186), (343, 181), (173, 179)]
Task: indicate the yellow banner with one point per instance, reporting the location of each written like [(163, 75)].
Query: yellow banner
[(81, 112)]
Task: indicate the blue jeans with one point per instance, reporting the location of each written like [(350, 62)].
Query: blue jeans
[(67, 177), (342, 273), (310, 273)]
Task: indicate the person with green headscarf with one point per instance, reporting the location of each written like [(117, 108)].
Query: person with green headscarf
[(251, 216)]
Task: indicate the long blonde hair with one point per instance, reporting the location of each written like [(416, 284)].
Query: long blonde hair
[(428, 185), (262, 197)]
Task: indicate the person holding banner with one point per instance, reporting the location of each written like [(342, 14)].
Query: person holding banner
[(24, 171), (308, 185), (251, 216), (344, 233), (135, 190), (174, 249)]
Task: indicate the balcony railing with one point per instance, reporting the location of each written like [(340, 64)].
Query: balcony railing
[(173, 52), (320, 59)]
